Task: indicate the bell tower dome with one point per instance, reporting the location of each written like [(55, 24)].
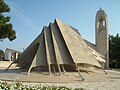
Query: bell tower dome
[(101, 30)]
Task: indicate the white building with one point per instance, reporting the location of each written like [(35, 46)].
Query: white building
[(11, 54)]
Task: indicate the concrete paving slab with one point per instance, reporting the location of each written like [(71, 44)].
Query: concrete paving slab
[(68, 77)]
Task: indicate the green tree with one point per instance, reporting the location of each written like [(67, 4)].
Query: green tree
[(114, 50), (6, 28), (1, 52)]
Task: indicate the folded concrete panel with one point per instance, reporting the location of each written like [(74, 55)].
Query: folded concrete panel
[(25, 59), (50, 53), (86, 51), (76, 45), (40, 58), (65, 56), (55, 43)]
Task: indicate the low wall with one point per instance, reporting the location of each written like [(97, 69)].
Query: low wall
[(5, 63)]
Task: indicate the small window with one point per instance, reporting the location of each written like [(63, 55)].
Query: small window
[(102, 23)]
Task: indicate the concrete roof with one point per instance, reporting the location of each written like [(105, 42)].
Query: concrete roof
[(58, 44)]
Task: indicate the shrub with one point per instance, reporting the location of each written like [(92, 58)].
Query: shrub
[(17, 85)]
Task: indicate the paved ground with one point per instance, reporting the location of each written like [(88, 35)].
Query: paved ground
[(96, 80)]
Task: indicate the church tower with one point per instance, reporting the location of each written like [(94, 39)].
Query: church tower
[(101, 29)]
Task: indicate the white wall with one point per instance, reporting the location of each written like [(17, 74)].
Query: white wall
[(8, 55)]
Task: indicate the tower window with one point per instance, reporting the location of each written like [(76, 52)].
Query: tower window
[(102, 23)]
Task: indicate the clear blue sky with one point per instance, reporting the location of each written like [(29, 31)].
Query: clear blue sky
[(29, 16)]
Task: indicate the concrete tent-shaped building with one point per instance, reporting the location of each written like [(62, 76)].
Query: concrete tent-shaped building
[(58, 47)]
